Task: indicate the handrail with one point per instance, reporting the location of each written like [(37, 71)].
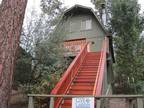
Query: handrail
[(139, 98), (100, 96), (99, 78), (64, 83), (57, 87)]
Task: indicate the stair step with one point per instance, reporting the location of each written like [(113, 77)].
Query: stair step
[(84, 80), (96, 56), (86, 77), (81, 92), (63, 106), (88, 69), (92, 59), (89, 66), (83, 84), (66, 103), (90, 63), (82, 87), (87, 74), (93, 55)]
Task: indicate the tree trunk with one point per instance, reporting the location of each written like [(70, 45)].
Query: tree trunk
[(11, 20)]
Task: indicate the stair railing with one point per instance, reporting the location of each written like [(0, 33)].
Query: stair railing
[(64, 83), (135, 101), (101, 69)]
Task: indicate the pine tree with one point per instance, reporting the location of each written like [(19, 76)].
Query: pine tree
[(44, 42), (11, 20), (127, 25)]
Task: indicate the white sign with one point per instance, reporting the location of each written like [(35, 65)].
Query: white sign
[(83, 102)]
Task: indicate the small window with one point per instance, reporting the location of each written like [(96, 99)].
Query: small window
[(72, 27), (86, 24)]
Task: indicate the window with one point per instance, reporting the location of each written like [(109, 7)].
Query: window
[(72, 26), (86, 24)]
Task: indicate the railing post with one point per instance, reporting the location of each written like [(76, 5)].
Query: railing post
[(52, 102), (98, 103), (30, 103), (140, 103)]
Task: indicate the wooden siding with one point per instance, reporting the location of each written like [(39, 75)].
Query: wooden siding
[(95, 35)]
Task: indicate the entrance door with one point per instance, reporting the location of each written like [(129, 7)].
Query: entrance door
[(73, 47)]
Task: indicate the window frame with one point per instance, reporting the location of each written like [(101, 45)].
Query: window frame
[(86, 24)]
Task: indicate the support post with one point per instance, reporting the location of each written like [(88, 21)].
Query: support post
[(140, 103), (98, 103), (31, 102), (52, 102)]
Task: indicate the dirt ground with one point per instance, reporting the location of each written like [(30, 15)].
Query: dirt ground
[(18, 100), (19, 105)]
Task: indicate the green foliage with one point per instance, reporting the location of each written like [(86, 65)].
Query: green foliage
[(127, 25), (23, 68), (50, 57), (98, 3), (44, 42), (49, 51)]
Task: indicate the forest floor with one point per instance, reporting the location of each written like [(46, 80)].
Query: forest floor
[(18, 100)]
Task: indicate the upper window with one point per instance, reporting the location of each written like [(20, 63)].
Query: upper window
[(86, 24), (72, 26)]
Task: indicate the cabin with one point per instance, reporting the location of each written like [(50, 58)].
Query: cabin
[(82, 25), (90, 45), (90, 74)]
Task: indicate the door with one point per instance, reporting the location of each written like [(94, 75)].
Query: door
[(73, 47)]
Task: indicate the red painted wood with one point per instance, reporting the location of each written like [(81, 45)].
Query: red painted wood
[(74, 46), (82, 87), (82, 77), (82, 92), (99, 79), (67, 103), (83, 82), (63, 85)]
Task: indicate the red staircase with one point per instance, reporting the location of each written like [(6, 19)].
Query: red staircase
[(83, 77)]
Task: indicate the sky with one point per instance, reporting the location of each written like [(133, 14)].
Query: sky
[(69, 3), (35, 3)]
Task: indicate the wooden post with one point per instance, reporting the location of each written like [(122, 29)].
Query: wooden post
[(140, 103), (98, 103), (52, 102), (130, 103), (30, 103)]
